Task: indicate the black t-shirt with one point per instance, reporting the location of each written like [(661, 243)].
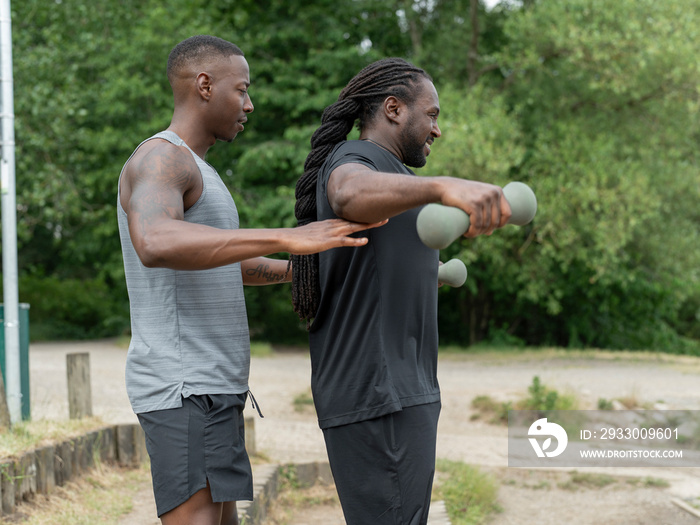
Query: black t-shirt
[(374, 339)]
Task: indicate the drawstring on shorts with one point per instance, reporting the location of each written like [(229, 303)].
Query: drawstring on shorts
[(254, 403)]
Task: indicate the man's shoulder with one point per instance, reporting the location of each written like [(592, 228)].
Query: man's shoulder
[(351, 151), (159, 153), (352, 146), (158, 163), (157, 147), (367, 153)]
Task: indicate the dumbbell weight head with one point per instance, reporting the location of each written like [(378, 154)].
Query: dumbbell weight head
[(452, 273)]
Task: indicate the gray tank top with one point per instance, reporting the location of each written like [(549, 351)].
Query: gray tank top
[(189, 329)]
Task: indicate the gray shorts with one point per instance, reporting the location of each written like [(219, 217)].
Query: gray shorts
[(202, 440)]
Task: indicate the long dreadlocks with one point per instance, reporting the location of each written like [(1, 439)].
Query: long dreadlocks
[(360, 99)]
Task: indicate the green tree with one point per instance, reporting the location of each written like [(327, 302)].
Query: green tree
[(89, 85), (605, 98), (593, 103)]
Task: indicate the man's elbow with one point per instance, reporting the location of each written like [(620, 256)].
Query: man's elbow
[(151, 254), (340, 206), (349, 206)]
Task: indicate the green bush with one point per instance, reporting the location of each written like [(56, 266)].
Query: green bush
[(543, 398), (470, 495), (72, 308)]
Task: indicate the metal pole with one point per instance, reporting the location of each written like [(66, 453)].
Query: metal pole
[(9, 220)]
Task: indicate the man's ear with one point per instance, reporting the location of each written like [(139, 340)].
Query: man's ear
[(204, 83), (394, 109)]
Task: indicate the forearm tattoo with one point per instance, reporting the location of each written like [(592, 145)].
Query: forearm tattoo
[(262, 272)]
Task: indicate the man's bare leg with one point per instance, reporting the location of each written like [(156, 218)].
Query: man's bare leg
[(229, 513), (201, 510)]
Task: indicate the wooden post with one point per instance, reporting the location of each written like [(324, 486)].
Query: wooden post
[(131, 445), (7, 481), (63, 466), (79, 393), (25, 477), (45, 473), (249, 424)]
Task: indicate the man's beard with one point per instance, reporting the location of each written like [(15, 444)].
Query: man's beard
[(413, 146)]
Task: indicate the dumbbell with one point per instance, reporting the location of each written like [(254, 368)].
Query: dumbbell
[(452, 273), (438, 226)]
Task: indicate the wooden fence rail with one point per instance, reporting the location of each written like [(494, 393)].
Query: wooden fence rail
[(41, 470)]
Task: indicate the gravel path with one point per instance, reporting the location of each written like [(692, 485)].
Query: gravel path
[(526, 496)]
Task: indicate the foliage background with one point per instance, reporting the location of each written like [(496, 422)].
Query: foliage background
[(593, 103)]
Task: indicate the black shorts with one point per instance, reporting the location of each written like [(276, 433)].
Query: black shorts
[(384, 467), (202, 440)]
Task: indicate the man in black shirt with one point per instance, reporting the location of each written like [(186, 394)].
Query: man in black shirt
[(374, 334)]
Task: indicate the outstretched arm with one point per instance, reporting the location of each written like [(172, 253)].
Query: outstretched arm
[(358, 193), (163, 180)]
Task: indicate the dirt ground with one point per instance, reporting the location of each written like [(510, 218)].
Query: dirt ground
[(526, 496)]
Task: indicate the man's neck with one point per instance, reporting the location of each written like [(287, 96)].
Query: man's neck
[(191, 137), (377, 139)]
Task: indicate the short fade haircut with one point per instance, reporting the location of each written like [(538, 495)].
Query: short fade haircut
[(198, 48)]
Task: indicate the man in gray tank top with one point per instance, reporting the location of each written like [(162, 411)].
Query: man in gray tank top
[(186, 261)]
